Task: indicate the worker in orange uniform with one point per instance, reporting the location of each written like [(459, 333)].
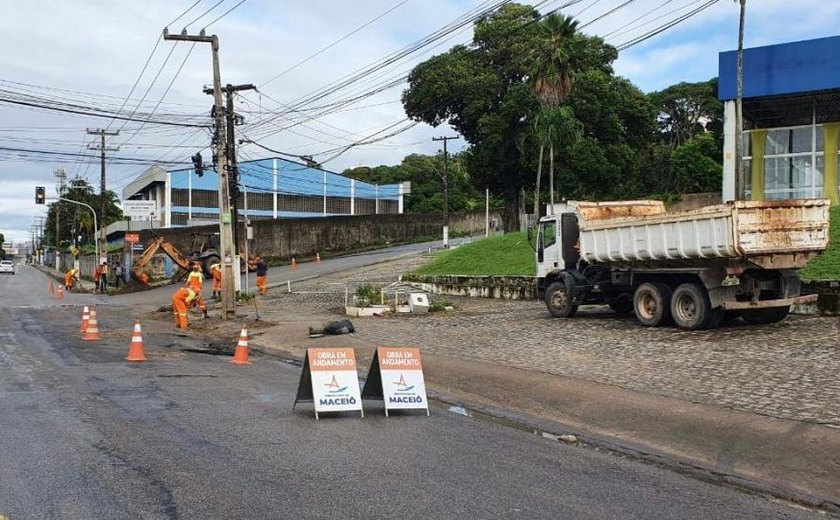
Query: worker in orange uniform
[(182, 299), (195, 280), (262, 275), (69, 278), (216, 271)]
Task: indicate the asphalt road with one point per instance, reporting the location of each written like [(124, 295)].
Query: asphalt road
[(189, 435), (280, 275)]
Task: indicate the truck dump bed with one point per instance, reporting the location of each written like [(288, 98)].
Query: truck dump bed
[(773, 234)]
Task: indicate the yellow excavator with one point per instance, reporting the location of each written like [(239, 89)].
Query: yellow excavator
[(138, 270), (203, 253)]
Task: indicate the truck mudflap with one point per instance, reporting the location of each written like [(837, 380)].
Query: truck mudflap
[(765, 304)]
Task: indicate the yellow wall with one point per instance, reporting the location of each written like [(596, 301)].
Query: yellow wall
[(831, 136)]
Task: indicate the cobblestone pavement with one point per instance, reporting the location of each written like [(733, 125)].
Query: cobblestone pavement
[(787, 370)]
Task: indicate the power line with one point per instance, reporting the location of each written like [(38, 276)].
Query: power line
[(224, 14), (336, 42)]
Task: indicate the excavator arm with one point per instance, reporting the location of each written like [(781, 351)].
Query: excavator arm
[(138, 269)]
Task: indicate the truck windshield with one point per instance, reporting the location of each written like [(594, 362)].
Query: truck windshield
[(548, 234)]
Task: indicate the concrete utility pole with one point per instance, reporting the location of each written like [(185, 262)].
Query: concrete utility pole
[(61, 176), (225, 223), (740, 175), (445, 188), (101, 132), (232, 120)]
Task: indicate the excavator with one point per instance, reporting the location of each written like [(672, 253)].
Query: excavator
[(138, 269), (203, 252)]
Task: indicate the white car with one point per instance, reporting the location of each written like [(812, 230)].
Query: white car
[(7, 266)]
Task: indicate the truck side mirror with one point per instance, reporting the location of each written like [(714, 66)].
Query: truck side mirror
[(531, 237)]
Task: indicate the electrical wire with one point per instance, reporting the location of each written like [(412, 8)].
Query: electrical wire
[(333, 44)]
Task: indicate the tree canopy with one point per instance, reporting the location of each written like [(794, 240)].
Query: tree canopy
[(527, 83), (77, 221)]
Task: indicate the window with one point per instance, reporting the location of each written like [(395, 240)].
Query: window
[(794, 162), (549, 234)]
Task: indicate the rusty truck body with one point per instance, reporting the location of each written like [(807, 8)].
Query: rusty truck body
[(691, 268)]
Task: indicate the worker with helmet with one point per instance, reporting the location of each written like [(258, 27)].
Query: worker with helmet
[(182, 299), (216, 272), (195, 280), (69, 278)]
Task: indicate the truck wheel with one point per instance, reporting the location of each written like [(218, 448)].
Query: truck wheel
[(622, 305), (764, 316), (690, 307), (558, 301), (652, 304)]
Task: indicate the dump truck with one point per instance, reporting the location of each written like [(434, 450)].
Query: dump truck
[(691, 268)]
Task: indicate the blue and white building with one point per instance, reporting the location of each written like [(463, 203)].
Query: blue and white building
[(269, 189)]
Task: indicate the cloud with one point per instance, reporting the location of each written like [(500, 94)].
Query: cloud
[(100, 47)]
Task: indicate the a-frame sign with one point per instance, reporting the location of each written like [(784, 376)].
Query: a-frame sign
[(330, 380), (396, 377)]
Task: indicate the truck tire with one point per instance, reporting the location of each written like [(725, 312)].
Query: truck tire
[(690, 307), (764, 316), (652, 304), (558, 300)]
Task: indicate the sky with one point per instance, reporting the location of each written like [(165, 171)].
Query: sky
[(90, 54)]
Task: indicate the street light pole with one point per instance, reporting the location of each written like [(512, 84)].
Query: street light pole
[(225, 219)]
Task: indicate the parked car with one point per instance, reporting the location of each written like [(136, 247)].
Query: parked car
[(7, 266)]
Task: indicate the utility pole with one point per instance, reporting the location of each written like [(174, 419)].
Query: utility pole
[(225, 223), (101, 132), (445, 188), (740, 175), (61, 176), (233, 120), (39, 226)]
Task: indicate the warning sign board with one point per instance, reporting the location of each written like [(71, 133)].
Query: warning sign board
[(330, 381), (396, 377), (132, 238)]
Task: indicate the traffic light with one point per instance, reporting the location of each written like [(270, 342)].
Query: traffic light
[(198, 164), (40, 195)]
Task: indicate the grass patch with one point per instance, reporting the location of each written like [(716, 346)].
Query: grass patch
[(509, 254), (827, 266)]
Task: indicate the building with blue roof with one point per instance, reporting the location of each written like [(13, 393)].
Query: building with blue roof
[(269, 189), (791, 109)]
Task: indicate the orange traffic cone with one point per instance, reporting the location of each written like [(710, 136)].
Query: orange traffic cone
[(135, 352), (294, 264), (317, 258), (60, 293), (85, 320), (52, 287), (240, 355), (92, 332)]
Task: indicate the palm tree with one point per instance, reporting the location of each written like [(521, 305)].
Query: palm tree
[(554, 66)]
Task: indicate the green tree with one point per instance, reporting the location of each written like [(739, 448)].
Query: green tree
[(688, 109), (557, 58), (485, 92), (482, 92), (75, 220), (425, 172), (694, 167)]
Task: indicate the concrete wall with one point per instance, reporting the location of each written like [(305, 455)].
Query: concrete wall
[(303, 237), (499, 287)]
